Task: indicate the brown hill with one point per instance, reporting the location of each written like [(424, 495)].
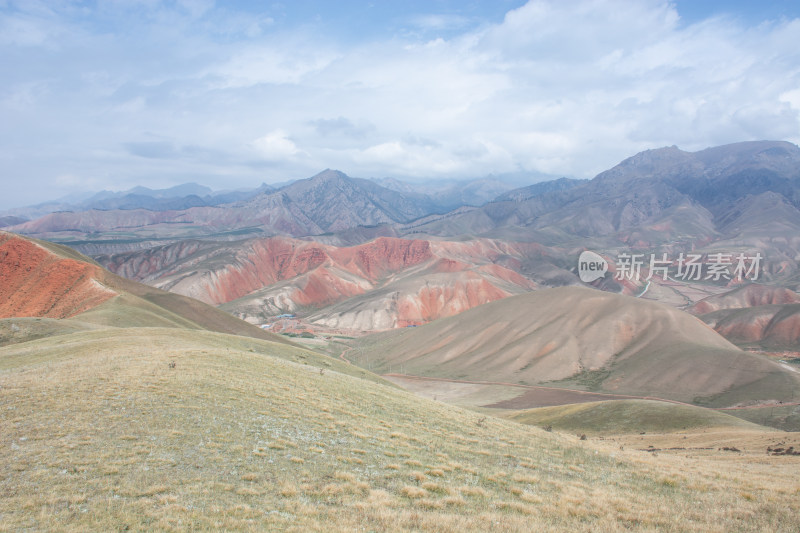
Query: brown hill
[(750, 295), (754, 315), (587, 339), (41, 279), (771, 327)]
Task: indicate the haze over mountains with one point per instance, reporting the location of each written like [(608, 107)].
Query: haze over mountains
[(712, 193), (304, 207), (739, 198), (178, 197)]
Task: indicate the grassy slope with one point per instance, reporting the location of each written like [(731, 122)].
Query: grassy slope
[(628, 416), (61, 250), (785, 417), (16, 330), (193, 313), (100, 433)]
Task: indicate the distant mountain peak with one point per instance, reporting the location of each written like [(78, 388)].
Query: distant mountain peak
[(329, 174)]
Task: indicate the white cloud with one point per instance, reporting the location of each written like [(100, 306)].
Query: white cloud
[(269, 65), (569, 88), (439, 22), (276, 146), (792, 98)]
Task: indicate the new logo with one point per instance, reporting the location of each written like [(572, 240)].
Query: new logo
[(591, 266)]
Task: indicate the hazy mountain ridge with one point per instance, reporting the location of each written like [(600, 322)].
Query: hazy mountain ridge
[(452, 194), (329, 201), (642, 188), (178, 197), (11, 220)]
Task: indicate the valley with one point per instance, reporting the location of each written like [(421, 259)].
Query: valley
[(336, 354)]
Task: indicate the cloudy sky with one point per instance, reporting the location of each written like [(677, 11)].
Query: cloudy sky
[(110, 94)]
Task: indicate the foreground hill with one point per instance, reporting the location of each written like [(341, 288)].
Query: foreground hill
[(166, 429), (586, 339), (45, 280)]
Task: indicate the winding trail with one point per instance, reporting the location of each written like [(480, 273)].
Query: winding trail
[(345, 359), (577, 391)]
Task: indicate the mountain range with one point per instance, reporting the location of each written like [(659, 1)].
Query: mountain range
[(734, 199), (662, 195), (302, 207)]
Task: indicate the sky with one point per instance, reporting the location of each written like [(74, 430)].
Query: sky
[(113, 94)]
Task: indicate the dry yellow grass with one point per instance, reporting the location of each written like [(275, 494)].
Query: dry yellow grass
[(100, 433)]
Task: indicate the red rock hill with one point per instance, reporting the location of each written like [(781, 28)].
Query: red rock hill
[(36, 282)]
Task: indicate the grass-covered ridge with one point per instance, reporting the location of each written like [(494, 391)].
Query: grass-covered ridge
[(619, 417), (164, 429)]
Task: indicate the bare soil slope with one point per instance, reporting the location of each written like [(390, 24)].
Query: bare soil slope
[(585, 339), (35, 281), (770, 327), (750, 295), (381, 284), (761, 316)]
